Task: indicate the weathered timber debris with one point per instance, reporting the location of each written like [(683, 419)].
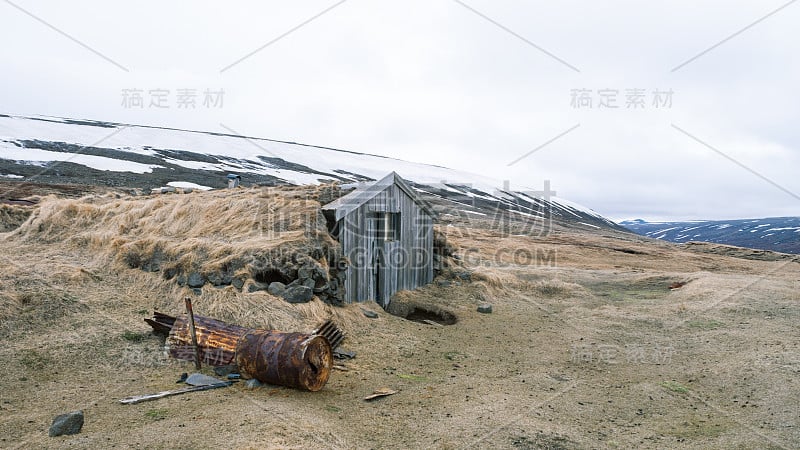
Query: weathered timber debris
[(331, 332), (299, 360), (380, 392), (147, 397)]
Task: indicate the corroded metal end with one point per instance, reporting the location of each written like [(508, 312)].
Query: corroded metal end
[(297, 360)]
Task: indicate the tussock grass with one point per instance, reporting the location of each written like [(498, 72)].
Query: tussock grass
[(232, 232), (11, 217), (249, 234)]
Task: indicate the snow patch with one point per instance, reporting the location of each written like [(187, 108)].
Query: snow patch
[(188, 185)]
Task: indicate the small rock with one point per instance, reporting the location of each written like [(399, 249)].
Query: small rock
[(341, 353), (276, 288), (369, 314), (309, 283), (305, 272), (444, 283), (238, 283), (69, 423), (298, 294), (169, 273), (215, 278), (225, 370), (252, 384), (195, 280), (227, 277), (485, 308), (256, 286), (320, 274)]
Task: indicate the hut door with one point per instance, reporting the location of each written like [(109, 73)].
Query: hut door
[(385, 244)]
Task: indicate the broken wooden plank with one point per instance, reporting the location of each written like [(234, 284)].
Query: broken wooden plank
[(380, 392), (147, 397), (190, 313)]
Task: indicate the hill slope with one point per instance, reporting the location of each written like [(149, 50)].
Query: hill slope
[(780, 234), (66, 151)]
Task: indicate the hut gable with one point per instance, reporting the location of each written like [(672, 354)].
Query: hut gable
[(386, 232), (346, 204)]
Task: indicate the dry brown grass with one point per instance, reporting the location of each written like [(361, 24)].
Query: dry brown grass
[(11, 217), (237, 232)]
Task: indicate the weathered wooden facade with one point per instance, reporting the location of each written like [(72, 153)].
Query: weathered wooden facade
[(386, 231)]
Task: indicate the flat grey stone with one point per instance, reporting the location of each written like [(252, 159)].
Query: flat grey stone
[(256, 286), (369, 314), (198, 379), (485, 308)]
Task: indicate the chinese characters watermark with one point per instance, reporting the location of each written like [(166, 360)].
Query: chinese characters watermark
[(630, 98), (182, 98)]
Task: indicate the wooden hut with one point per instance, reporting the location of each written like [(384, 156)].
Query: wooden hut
[(234, 180), (386, 231)]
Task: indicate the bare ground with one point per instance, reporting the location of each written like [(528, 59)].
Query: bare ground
[(590, 349)]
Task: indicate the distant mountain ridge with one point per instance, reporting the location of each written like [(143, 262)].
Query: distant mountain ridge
[(779, 234), (57, 150)]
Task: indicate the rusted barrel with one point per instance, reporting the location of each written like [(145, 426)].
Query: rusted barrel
[(297, 360)]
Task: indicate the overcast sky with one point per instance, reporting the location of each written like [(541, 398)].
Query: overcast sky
[(473, 85)]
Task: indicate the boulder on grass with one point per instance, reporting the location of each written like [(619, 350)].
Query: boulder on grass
[(69, 423)]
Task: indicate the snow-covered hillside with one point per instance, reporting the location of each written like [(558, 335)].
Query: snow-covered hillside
[(781, 234), (58, 150)]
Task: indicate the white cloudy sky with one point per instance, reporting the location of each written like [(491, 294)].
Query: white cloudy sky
[(437, 82)]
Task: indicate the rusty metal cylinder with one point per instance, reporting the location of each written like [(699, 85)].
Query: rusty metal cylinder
[(296, 360)]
